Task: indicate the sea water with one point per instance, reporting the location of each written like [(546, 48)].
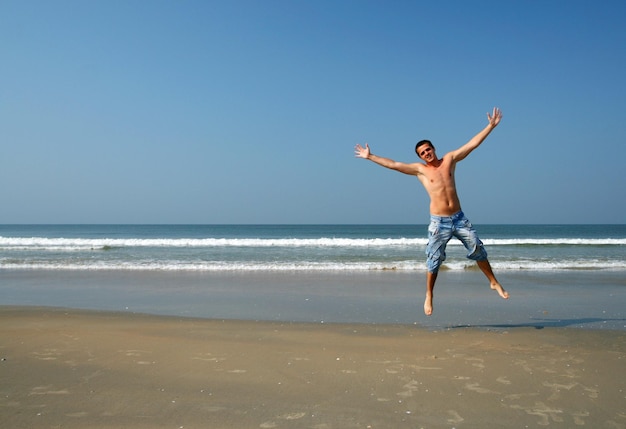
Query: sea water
[(345, 273), (221, 248)]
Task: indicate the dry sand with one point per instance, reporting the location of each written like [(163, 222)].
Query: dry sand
[(78, 369)]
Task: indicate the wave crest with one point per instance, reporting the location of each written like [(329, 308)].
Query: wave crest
[(41, 243)]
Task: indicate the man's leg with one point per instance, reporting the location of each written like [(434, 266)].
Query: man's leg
[(467, 234), (485, 267), (431, 278), (439, 233)]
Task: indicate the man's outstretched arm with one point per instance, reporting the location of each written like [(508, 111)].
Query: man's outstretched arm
[(365, 153), (494, 119)]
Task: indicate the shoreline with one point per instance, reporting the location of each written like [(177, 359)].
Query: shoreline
[(585, 300), (488, 327), (99, 369)]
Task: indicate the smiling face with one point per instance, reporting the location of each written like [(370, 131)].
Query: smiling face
[(426, 151)]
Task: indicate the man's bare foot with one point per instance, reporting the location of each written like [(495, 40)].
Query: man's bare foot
[(428, 305), (498, 287)]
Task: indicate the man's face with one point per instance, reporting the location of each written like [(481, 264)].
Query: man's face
[(426, 152)]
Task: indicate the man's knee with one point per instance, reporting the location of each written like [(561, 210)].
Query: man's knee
[(478, 253)]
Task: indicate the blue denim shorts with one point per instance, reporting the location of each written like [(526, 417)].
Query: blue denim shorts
[(442, 229)]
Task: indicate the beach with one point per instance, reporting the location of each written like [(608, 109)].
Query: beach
[(308, 326), (94, 369)]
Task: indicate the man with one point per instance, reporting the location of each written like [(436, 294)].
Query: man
[(446, 218)]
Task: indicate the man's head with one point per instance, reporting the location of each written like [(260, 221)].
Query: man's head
[(423, 147)]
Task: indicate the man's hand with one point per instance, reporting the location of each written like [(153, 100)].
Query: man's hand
[(362, 152), (494, 118)]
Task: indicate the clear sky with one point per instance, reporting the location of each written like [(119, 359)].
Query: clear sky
[(248, 111)]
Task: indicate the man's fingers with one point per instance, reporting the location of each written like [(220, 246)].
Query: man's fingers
[(495, 116)]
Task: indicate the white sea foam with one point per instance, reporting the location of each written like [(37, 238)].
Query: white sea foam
[(69, 244), (250, 266), (330, 253)]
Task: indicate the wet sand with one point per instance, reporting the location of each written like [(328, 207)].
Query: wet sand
[(589, 300), (88, 369)]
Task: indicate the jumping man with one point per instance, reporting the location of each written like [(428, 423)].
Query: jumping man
[(446, 218)]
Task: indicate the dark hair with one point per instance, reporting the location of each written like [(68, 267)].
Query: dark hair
[(422, 142)]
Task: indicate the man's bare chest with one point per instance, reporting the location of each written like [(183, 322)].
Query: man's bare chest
[(441, 175)]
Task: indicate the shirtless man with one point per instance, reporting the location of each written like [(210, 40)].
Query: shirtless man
[(446, 218)]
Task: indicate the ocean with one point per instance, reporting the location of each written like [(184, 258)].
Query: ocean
[(229, 271), (219, 248)]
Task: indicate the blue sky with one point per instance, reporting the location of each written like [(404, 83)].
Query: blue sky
[(248, 111)]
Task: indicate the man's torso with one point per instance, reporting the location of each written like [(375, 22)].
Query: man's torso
[(441, 187)]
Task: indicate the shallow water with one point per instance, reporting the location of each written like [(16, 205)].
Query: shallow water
[(594, 300)]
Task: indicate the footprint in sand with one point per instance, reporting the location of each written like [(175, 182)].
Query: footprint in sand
[(556, 389), (47, 354), (544, 413), (208, 357), (395, 369), (578, 417), (455, 417), (289, 416), (411, 387), (475, 387), (517, 396), (47, 390), (292, 416), (477, 362), (503, 380), (133, 352), (593, 393), (137, 353)]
